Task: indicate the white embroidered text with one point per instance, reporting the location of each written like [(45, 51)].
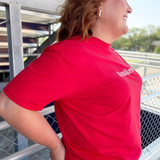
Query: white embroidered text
[(125, 72)]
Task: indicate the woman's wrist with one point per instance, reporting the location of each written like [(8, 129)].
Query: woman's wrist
[(58, 152), (56, 146)]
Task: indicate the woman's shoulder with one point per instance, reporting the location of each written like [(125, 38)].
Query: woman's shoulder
[(73, 43)]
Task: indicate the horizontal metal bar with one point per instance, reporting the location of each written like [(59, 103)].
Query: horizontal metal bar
[(28, 151), (150, 109), (145, 65), (3, 22), (151, 153), (4, 125), (138, 53), (4, 71), (140, 59), (47, 6), (33, 17), (25, 45), (25, 152), (48, 110), (144, 57), (44, 112), (150, 97), (31, 55), (4, 55), (26, 32), (150, 77), (4, 63), (25, 55)]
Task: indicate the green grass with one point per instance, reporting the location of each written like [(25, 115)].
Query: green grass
[(133, 61)]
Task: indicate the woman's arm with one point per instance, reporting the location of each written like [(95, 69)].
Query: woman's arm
[(31, 124)]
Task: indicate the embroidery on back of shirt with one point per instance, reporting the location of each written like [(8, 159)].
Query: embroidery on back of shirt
[(125, 72)]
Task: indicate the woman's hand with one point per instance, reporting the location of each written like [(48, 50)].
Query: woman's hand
[(58, 153)]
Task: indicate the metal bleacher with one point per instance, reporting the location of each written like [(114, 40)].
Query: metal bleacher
[(26, 28), (36, 27)]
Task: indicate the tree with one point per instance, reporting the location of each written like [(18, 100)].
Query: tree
[(157, 50), (152, 37), (158, 33), (120, 43), (138, 39)]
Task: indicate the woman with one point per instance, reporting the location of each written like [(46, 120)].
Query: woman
[(95, 92)]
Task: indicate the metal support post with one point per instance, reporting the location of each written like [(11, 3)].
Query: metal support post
[(15, 49), (145, 68), (50, 29), (15, 45), (37, 41)]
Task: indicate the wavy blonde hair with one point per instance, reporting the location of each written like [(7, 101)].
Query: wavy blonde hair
[(77, 16)]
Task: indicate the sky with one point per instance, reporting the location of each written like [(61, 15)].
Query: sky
[(145, 12)]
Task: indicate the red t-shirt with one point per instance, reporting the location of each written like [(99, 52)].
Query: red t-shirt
[(96, 96)]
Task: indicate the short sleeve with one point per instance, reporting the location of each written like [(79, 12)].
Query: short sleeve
[(48, 78)]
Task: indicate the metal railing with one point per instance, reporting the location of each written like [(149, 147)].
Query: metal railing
[(145, 64), (25, 152), (150, 117), (133, 53), (7, 153)]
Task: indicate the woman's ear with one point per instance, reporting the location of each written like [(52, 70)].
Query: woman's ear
[(100, 9), (101, 6)]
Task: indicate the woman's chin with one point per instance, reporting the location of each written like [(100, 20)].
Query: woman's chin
[(125, 30)]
